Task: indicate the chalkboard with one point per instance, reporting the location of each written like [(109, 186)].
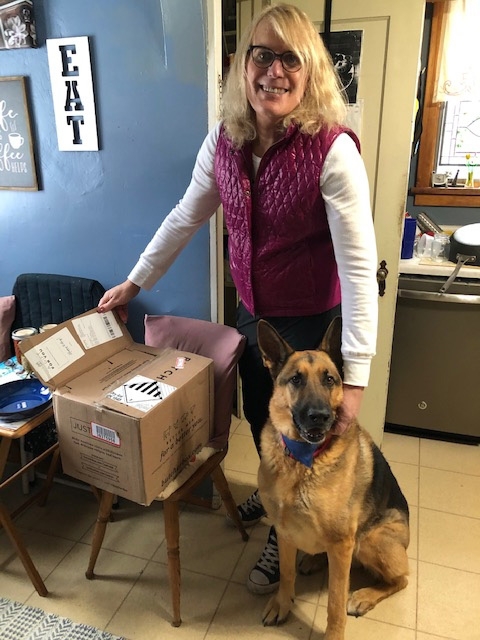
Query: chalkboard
[(17, 164)]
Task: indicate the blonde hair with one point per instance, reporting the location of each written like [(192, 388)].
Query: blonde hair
[(323, 103)]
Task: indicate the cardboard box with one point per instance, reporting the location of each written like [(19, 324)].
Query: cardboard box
[(129, 417)]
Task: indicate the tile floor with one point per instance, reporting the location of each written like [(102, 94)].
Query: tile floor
[(131, 598)]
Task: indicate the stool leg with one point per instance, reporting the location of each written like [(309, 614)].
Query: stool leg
[(99, 531), (172, 535), (221, 483), (22, 552)]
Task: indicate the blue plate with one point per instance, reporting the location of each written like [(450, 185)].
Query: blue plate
[(23, 399)]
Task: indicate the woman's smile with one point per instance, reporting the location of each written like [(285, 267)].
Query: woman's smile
[(276, 90)]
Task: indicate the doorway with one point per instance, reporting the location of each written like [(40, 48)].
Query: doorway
[(392, 35)]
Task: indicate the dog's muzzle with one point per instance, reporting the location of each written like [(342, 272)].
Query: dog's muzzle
[(313, 423)]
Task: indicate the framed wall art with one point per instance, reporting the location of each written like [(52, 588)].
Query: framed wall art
[(345, 48), (17, 24), (17, 163)]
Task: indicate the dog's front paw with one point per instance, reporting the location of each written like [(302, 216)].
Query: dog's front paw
[(276, 611), (360, 602)]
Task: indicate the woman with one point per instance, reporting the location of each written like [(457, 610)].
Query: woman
[(296, 204)]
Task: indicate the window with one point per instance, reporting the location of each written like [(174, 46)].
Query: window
[(449, 132), (459, 136)]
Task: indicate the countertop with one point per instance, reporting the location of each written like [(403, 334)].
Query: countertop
[(427, 267), (424, 266)]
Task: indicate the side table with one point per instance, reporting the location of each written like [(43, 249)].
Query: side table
[(7, 435)]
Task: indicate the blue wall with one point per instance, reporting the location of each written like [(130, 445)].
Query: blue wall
[(96, 211)]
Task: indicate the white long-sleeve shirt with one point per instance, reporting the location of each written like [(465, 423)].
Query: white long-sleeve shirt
[(344, 187)]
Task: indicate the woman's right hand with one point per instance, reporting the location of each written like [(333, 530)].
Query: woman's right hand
[(118, 298)]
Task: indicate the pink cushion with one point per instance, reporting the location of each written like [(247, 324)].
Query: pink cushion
[(7, 315), (223, 344)]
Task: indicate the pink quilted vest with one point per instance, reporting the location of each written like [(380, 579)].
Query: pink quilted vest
[(280, 248)]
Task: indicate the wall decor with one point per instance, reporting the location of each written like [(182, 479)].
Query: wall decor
[(345, 47), (17, 24), (72, 93), (17, 165)]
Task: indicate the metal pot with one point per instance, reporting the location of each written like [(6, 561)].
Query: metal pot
[(465, 241), (464, 249)]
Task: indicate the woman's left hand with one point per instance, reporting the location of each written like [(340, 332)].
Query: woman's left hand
[(349, 409)]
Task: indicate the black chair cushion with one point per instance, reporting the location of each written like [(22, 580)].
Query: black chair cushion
[(43, 298)]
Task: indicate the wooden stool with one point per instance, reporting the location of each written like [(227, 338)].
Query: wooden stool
[(211, 467)]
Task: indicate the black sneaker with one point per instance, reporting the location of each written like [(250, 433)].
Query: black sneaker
[(265, 575), (251, 511)]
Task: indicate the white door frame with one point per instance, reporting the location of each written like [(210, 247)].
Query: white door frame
[(213, 25)]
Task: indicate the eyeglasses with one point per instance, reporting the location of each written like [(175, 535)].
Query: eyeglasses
[(263, 58)]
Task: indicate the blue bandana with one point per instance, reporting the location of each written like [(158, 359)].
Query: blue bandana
[(303, 452)]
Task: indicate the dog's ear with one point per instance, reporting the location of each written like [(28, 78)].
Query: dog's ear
[(332, 343), (275, 351)]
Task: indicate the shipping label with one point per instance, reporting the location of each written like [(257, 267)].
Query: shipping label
[(141, 393), (54, 354), (97, 328)]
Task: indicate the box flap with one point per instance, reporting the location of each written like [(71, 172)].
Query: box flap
[(75, 346), (92, 385)]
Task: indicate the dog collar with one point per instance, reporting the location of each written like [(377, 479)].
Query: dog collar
[(304, 452)]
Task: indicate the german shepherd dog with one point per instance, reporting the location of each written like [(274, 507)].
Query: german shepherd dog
[(324, 492)]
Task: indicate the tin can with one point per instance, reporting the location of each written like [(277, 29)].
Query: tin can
[(46, 327), (17, 336)]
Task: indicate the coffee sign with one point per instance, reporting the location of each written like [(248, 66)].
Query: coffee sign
[(17, 166)]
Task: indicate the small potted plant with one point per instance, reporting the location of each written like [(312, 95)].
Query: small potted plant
[(470, 164)]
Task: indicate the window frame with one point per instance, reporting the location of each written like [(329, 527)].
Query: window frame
[(423, 192)]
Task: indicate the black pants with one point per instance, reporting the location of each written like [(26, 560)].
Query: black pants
[(301, 332)]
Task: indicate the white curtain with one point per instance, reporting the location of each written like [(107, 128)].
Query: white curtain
[(459, 68)]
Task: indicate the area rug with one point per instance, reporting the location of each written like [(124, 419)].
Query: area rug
[(20, 622)]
